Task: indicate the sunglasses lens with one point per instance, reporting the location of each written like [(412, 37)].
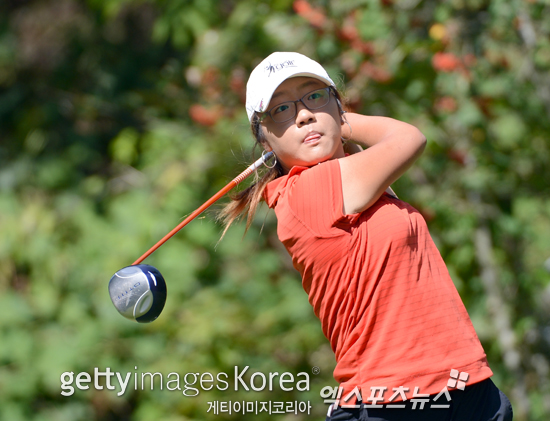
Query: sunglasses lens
[(283, 112), (316, 99), (312, 100)]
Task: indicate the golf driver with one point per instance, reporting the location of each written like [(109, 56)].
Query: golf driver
[(138, 291)]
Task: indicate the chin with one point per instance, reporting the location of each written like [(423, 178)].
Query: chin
[(316, 161)]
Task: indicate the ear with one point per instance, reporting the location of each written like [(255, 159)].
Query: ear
[(340, 107), (263, 141), (349, 130), (343, 117)]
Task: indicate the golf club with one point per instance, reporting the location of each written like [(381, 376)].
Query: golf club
[(138, 292)]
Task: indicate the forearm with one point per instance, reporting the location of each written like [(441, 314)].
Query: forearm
[(370, 130), (391, 148)]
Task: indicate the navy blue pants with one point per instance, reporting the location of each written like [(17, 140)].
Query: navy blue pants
[(482, 401)]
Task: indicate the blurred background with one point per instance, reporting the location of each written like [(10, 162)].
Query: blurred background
[(120, 117)]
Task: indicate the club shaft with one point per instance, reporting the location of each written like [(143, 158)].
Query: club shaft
[(233, 183)]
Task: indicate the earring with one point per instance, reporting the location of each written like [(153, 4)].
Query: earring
[(350, 130), (274, 162)]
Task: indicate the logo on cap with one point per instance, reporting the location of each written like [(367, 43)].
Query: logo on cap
[(273, 68)]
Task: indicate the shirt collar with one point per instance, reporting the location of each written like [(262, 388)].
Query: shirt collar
[(274, 188)]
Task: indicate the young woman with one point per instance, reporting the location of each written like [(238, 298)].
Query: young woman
[(373, 275)]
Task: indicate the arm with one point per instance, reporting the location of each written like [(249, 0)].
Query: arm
[(350, 148), (392, 147)]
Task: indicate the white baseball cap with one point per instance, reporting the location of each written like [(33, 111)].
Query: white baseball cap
[(274, 70)]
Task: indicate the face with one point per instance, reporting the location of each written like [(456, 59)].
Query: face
[(312, 136)]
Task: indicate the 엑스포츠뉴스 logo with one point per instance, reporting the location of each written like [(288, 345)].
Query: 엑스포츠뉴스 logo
[(458, 379)]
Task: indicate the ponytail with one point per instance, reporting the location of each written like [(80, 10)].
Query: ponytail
[(247, 201)]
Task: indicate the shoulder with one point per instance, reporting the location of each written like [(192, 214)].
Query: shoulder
[(302, 182)]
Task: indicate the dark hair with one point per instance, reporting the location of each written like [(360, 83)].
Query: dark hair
[(247, 200)]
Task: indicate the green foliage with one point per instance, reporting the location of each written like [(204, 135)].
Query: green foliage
[(121, 117)]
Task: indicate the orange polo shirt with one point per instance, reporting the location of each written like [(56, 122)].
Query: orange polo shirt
[(378, 285)]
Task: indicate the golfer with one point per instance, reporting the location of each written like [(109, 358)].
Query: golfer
[(399, 330)]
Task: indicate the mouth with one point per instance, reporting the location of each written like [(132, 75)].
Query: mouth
[(312, 138)]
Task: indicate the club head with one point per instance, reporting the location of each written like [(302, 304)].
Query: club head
[(138, 292)]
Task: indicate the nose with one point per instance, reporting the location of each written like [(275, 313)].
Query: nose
[(303, 115)]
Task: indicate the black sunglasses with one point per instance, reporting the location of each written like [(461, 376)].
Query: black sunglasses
[(287, 110)]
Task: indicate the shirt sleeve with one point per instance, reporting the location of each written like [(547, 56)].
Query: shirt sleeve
[(315, 197)]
